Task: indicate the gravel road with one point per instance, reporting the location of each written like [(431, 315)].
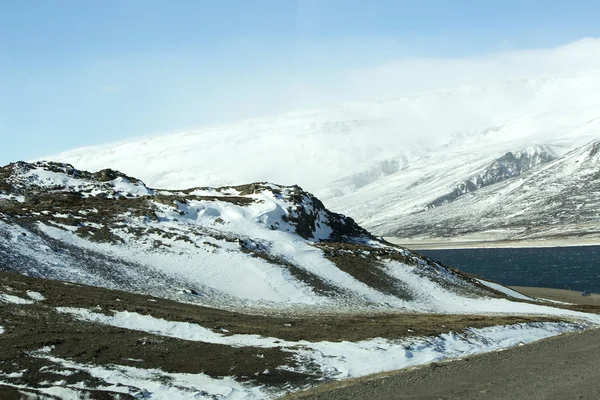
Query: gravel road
[(563, 367)]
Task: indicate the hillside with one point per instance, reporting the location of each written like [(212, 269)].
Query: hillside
[(246, 247), (257, 245), (111, 288)]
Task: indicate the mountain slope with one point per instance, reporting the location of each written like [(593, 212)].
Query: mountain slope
[(505, 167), (556, 199)]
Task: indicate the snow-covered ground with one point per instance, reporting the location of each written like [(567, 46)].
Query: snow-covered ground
[(189, 331), (228, 274), (335, 360), (148, 383)]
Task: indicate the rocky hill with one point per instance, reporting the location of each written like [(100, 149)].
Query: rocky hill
[(256, 245)]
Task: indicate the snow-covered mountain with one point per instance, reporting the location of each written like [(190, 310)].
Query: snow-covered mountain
[(503, 168), (241, 246), (554, 200), (379, 162), (256, 245)]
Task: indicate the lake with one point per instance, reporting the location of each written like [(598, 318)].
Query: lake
[(575, 268)]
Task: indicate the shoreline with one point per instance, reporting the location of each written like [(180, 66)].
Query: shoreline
[(558, 295), (463, 243)]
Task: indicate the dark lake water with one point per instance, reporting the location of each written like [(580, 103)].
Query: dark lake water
[(575, 268)]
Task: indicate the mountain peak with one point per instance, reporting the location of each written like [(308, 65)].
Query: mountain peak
[(278, 207)]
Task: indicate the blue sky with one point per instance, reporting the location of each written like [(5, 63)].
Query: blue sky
[(77, 73)]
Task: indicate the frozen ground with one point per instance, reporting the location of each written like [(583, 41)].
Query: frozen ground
[(73, 338), (336, 360)]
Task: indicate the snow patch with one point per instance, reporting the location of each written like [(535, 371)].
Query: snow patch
[(9, 298), (179, 330), (503, 289), (356, 359), (12, 375), (35, 295), (122, 185), (160, 385), (11, 197)]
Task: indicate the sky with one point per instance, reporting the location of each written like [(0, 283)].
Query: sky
[(77, 73)]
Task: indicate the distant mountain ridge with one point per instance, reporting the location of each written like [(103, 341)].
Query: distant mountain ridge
[(556, 199), (380, 162), (505, 167)]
